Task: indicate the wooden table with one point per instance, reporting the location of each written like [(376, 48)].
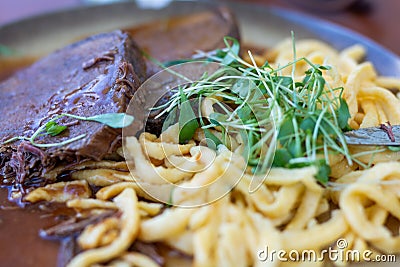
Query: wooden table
[(377, 19)]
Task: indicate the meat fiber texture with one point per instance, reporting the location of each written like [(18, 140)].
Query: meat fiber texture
[(94, 76)]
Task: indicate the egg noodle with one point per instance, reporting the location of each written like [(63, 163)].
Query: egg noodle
[(290, 211)]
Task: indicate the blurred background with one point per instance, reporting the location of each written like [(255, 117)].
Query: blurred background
[(378, 20)]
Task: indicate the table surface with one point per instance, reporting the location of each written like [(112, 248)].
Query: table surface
[(378, 20)]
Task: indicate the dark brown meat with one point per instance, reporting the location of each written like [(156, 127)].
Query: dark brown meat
[(94, 76), (180, 37)]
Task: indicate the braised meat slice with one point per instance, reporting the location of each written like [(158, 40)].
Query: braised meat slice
[(94, 76)]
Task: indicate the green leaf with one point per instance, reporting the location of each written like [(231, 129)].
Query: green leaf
[(306, 81), (285, 81), (324, 170), (113, 120), (322, 67), (343, 114), (308, 124), (187, 131), (53, 128), (286, 130), (212, 140), (187, 120), (282, 157), (241, 88), (320, 86), (245, 113), (394, 148), (214, 122), (246, 89), (294, 149), (233, 49), (328, 127)]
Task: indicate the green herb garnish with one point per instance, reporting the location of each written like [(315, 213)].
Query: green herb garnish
[(52, 128), (394, 148), (187, 119), (113, 120), (305, 119)]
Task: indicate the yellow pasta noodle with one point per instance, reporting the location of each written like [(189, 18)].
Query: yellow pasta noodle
[(197, 201), (129, 228)]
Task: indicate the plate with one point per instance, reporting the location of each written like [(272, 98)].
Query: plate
[(260, 25)]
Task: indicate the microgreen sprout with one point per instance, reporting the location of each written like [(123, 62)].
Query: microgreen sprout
[(52, 128), (305, 119)]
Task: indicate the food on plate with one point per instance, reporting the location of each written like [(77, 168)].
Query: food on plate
[(73, 68), (94, 76), (253, 161), (212, 217)]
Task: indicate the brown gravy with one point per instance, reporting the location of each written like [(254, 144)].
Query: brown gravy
[(20, 243)]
